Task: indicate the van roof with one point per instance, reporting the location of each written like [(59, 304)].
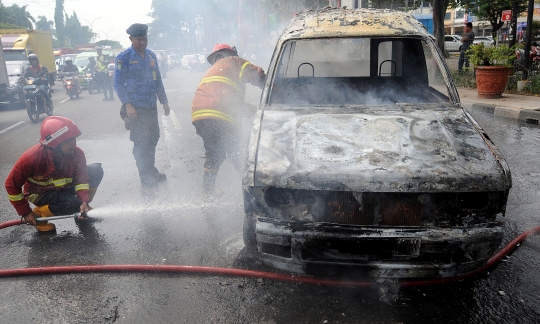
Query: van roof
[(337, 22)]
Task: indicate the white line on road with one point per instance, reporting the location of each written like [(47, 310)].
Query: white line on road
[(64, 100), (175, 120), (10, 127)]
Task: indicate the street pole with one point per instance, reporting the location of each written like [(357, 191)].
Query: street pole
[(513, 23), (530, 12)]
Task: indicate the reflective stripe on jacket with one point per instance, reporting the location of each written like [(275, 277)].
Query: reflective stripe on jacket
[(221, 92), (39, 170)]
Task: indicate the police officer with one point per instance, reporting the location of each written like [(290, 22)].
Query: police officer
[(137, 82), (102, 74)]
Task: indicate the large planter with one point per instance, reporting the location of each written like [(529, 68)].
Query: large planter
[(491, 80)]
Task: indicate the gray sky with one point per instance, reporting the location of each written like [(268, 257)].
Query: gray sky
[(116, 15)]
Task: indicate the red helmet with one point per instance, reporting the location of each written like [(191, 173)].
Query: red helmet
[(56, 129), (220, 47)]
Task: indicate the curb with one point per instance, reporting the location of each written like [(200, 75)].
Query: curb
[(526, 115)]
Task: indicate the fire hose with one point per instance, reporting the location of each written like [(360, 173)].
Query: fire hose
[(161, 268)]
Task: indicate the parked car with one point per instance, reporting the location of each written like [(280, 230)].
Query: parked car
[(15, 70), (452, 43), (188, 57), (362, 159), (488, 42)]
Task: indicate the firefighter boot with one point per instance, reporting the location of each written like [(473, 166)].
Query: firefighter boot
[(43, 211)]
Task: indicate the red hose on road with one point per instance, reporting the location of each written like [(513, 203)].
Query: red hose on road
[(250, 273), (11, 223)]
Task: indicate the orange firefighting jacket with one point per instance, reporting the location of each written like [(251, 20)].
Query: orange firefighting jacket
[(37, 172), (221, 93)]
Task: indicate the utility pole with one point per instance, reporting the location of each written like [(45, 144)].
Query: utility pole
[(530, 13)]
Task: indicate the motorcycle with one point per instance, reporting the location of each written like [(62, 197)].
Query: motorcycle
[(90, 81), (534, 57), (110, 68), (36, 103), (71, 83)]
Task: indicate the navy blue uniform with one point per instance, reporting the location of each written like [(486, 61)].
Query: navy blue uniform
[(137, 80)]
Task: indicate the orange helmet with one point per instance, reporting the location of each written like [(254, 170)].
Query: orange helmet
[(220, 47), (56, 129)]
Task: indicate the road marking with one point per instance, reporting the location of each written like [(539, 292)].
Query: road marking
[(175, 120), (10, 127), (64, 100)]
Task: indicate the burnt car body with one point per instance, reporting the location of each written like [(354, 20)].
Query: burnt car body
[(361, 158)]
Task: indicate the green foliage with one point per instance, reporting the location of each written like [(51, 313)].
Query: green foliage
[(43, 24), (491, 10), (59, 23), (111, 43), (501, 55), (16, 17), (75, 33), (464, 79), (9, 26)]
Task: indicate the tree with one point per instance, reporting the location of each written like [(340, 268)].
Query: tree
[(75, 33), (491, 10), (43, 24), (111, 43), (16, 16), (59, 22)]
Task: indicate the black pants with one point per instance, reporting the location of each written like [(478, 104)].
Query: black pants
[(66, 202), (104, 83), (220, 140), (463, 60), (145, 135), (45, 91)]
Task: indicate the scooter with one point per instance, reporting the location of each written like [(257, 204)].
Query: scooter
[(534, 57), (36, 103), (71, 83)]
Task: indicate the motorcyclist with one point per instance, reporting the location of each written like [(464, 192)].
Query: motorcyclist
[(72, 68), (40, 75), (91, 64)]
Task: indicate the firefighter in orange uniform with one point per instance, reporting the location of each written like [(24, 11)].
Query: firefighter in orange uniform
[(53, 176), (218, 107)]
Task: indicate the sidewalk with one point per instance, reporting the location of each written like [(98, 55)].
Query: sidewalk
[(515, 106)]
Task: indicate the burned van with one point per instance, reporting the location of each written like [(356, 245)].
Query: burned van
[(362, 159)]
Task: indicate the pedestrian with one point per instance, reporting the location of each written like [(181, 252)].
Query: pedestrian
[(53, 176), (137, 81), (218, 107), (467, 41), (102, 74), (40, 75)]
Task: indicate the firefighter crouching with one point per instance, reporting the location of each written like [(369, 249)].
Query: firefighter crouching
[(218, 107), (53, 176)]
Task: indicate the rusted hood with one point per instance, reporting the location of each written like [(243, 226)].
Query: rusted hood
[(390, 150)]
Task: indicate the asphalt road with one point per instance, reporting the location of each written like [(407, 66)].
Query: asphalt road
[(171, 225)]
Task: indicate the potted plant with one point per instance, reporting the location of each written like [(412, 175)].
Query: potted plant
[(493, 66)]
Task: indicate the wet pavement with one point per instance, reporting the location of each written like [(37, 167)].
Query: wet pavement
[(171, 225)]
